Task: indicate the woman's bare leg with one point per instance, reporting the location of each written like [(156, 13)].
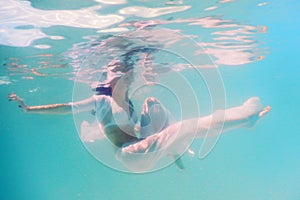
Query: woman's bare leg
[(175, 139)]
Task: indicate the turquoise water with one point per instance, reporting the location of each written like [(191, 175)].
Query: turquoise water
[(254, 44)]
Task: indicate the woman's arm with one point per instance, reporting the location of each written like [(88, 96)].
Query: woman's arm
[(61, 108)]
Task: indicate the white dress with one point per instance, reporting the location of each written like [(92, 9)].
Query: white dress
[(107, 112)]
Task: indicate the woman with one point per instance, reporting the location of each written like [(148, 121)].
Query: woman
[(141, 146)]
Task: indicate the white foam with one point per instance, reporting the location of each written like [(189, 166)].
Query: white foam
[(211, 8), (113, 30), (152, 12), (262, 4), (42, 46), (17, 14), (113, 2), (56, 37)]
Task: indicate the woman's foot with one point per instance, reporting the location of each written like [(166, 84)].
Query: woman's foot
[(154, 117), (265, 111), (14, 97)]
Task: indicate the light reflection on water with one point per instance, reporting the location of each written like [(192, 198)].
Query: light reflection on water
[(227, 41)]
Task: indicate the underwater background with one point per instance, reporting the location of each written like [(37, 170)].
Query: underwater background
[(254, 45)]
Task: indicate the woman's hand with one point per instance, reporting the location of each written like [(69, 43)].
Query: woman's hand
[(14, 97)]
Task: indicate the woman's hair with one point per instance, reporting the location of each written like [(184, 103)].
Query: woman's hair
[(103, 90)]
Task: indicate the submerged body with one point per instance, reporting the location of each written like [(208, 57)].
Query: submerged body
[(141, 146)]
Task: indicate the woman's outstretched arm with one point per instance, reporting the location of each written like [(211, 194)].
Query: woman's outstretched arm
[(60, 108)]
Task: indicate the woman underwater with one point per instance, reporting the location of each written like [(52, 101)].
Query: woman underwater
[(140, 146)]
